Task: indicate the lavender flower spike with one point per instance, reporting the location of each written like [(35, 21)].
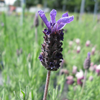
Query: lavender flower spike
[(87, 61), (51, 55), (36, 20)]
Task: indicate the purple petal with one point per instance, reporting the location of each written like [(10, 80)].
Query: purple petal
[(63, 21), (43, 17), (53, 15), (40, 57), (88, 54), (65, 15)]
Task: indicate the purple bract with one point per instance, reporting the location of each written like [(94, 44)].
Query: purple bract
[(53, 25)]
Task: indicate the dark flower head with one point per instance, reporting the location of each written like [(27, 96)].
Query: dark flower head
[(51, 55), (87, 61)]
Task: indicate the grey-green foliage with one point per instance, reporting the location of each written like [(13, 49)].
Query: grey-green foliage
[(23, 78)]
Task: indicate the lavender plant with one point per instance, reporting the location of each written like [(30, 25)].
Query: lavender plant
[(36, 20), (51, 55), (86, 67), (32, 85), (36, 24)]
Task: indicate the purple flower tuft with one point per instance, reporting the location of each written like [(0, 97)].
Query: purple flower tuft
[(60, 23)]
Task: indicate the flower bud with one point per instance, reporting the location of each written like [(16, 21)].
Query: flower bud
[(70, 80), (21, 51), (36, 20), (91, 78), (64, 71), (78, 49), (80, 77), (87, 62), (98, 70), (87, 43), (2, 24), (77, 41), (74, 71), (91, 68), (93, 51)]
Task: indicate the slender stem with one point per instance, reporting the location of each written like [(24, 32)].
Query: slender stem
[(84, 81), (46, 85), (36, 34)]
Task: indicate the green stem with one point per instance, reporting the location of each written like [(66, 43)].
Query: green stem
[(46, 85), (84, 82)]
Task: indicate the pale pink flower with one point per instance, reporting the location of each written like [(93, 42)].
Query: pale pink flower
[(77, 41), (93, 51), (64, 71), (70, 80), (91, 78), (91, 64), (70, 43), (74, 71), (95, 66), (87, 43), (91, 68), (78, 49)]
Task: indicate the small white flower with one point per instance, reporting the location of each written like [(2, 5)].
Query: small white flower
[(80, 74), (98, 67)]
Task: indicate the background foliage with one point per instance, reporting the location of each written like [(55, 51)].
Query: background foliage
[(71, 5), (24, 76)]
